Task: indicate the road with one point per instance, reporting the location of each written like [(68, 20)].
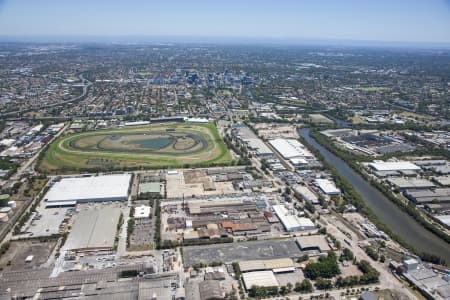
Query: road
[(6, 232), (387, 280), (23, 168), (86, 85)]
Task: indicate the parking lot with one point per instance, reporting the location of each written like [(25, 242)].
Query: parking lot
[(45, 221), (143, 234), (292, 277), (235, 252)]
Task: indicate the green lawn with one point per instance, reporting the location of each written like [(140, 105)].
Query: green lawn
[(374, 89), (62, 157)]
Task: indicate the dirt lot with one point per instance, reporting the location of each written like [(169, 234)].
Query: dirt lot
[(391, 295), (190, 182), (276, 130), (14, 258), (194, 176), (350, 270)]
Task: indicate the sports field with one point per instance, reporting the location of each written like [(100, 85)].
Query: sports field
[(159, 145)]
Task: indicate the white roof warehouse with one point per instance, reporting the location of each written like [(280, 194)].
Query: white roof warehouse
[(259, 278), (290, 148), (327, 186), (290, 221), (69, 191), (394, 166)]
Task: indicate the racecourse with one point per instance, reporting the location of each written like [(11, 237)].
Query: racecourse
[(150, 146)]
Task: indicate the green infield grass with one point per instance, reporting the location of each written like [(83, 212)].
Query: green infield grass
[(151, 146)]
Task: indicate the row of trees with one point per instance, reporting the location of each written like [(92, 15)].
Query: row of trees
[(204, 265), (370, 276), (304, 286), (157, 237), (130, 226), (114, 168), (262, 292), (26, 215)]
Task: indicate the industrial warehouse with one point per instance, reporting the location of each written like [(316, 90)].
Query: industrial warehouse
[(305, 193), (314, 244), (292, 150), (291, 221), (266, 263), (264, 272), (413, 183), (328, 187), (70, 191), (253, 142), (94, 229), (393, 166), (368, 142), (422, 181), (214, 218), (235, 216)]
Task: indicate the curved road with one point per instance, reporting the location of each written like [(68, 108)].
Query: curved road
[(86, 85)]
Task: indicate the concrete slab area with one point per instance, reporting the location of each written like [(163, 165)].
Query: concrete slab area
[(235, 252)]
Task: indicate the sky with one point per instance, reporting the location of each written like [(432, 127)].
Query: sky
[(423, 21)]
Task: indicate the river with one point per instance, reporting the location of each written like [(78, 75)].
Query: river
[(398, 221)]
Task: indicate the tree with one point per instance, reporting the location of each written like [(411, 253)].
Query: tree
[(432, 258), (284, 290), (372, 253), (326, 267), (303, 258), (303, 287), (287, 190), (347, 254), (323, 284), (262, 292), (370, 274), (349, 281), (289, 286)]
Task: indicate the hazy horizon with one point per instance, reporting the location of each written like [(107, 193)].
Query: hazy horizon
[(413, 22), (205, 40)]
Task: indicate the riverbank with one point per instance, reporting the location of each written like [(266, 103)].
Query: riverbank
[(409, 208), (377, 207)]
